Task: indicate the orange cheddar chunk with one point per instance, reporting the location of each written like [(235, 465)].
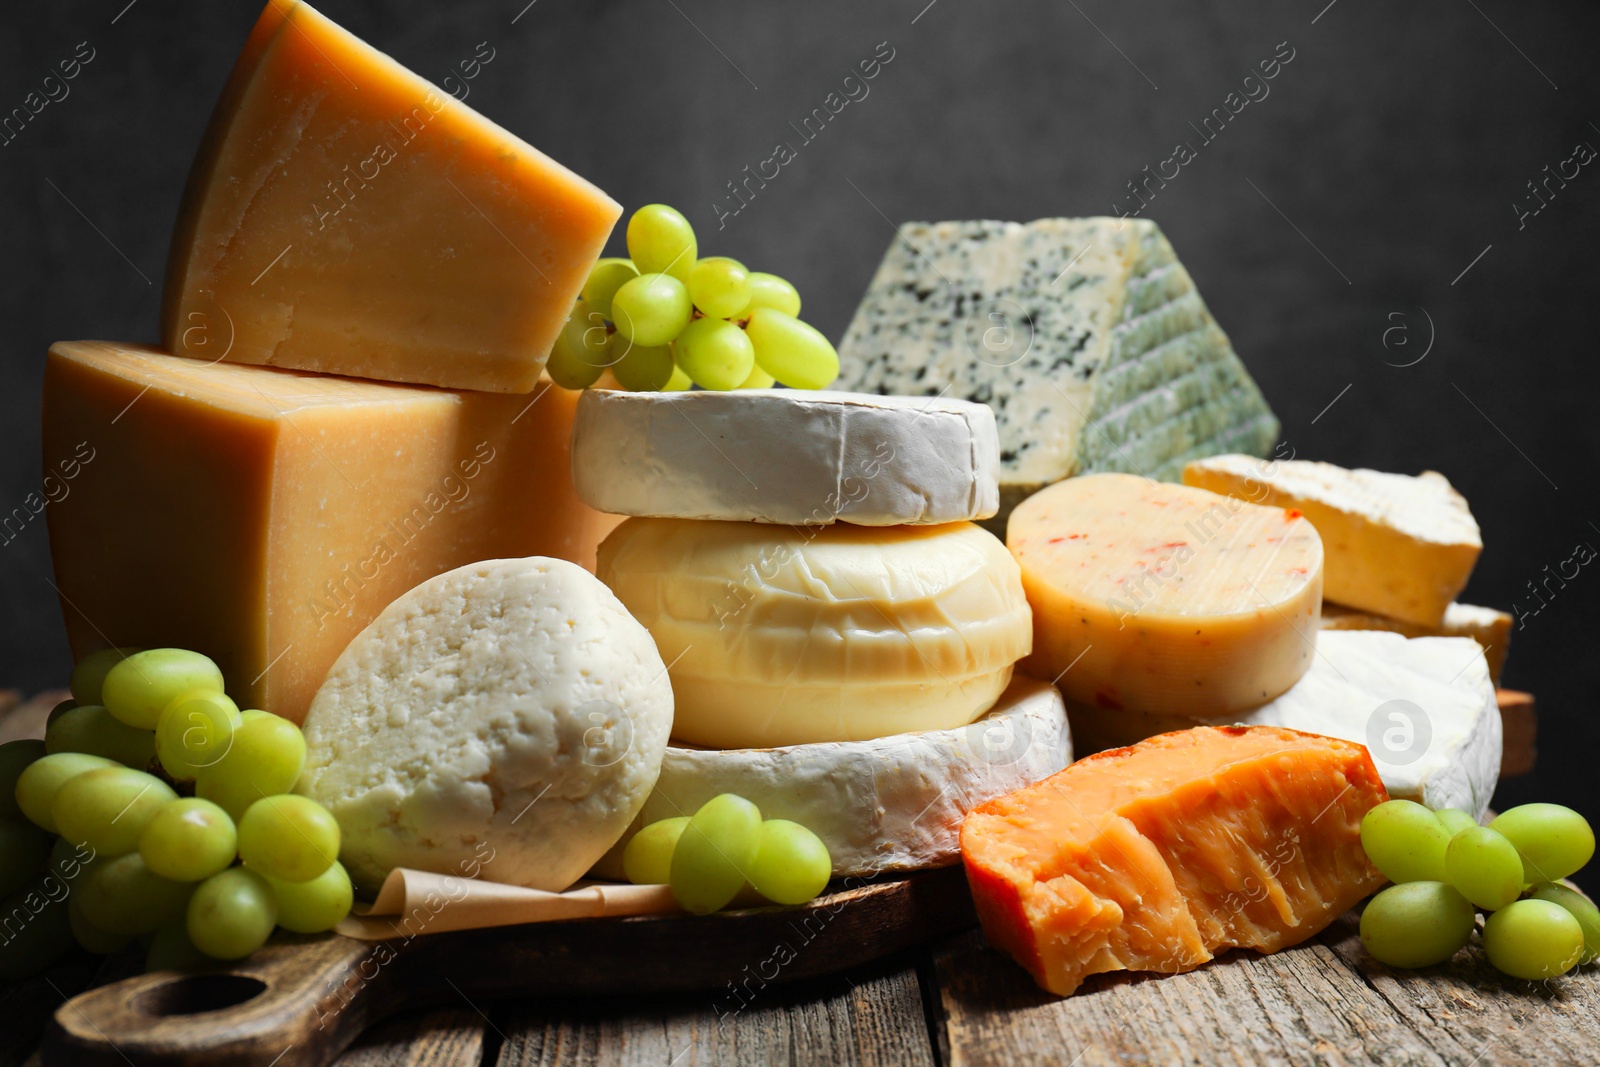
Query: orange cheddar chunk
[(345, 216), (1159, 856), (264, 517)]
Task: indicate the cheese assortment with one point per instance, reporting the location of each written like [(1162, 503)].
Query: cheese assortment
[(1490, 628)]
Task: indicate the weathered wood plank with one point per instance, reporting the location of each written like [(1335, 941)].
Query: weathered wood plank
[(451, 1037), (20, 719), (1519, 725)]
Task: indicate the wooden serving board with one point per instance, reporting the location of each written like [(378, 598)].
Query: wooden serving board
[(299, 1001)]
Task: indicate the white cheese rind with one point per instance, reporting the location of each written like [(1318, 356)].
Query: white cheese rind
[(786, 456), (1355, 675), (1488, 627), (892, 804)]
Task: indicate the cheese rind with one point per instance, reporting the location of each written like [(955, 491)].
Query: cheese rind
[(1488, 627), (890, 804), (1397, 545), (780, 635), (786, 456), (264, 517), (1371, 687), (344, 216), (1157, 597), (1086, 336)]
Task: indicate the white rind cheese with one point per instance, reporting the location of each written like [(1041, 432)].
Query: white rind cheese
[(786, 456), (892, 804), (1423, 706), (1086, 336), (1488, 627)]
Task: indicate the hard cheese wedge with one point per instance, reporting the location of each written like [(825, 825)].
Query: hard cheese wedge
[(1490, 628), (890, 804), (1425, 708), (1156, 857), (1397, 545), (343, 216), (1086, 336), (264, 517), (1152, 596)]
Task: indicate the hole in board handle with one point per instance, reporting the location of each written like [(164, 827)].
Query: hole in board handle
[(199, 993)]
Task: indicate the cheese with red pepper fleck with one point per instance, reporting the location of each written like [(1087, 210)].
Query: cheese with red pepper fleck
[(1149, 596)]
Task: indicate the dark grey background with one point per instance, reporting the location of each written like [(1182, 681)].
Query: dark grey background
[(1347, 203)]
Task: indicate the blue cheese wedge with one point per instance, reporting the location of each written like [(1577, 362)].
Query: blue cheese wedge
[(1086, 336)]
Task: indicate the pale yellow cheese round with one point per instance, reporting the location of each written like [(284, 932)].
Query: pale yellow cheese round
[(780, 635), (1162, 598)]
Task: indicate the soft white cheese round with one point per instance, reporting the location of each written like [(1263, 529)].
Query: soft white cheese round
[(508, 715), (785, 635)]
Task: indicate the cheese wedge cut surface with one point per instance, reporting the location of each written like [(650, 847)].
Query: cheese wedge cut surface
[(1396, 545), (891, 804), (1159, 856), (1152, 596), (264, 517), (1425, 708), (786, 456), (787, 635), (1490, 628), (344, 216)]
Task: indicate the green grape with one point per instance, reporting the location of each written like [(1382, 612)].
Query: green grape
[(38, 930), (108, 808), (252, 714), (679, 382), (792, 351), (265, 760), (58, 711), (90, 673), (651, 309), (713, 853), (1416, 924), (171, 950), (232, 914), (1582, 909), (1533, 939), (759, 379), (1405, 841), (660, 239), (1484, 867), (647, 860), (714, 353), (91, 728), (188, 840), (121, 895), (195, 731), (23, 851), (15, 757), (771, 291), (644, 369), (582, 350), (314, 906), (720, 287), (605, 279), (1454, 820), (791, 864), (289, 837), (138, 689), (89, 936), (38, 784), (69, 861), (1554, 841)]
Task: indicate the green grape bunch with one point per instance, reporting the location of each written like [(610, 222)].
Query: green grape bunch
[(665, 318)]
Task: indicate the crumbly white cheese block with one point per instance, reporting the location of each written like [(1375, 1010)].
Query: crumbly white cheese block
[(1086, 336), (786, 456), (1488, 627), (785, 635), (1424, 707), (509, 716), (1397, 545), (892, 804)]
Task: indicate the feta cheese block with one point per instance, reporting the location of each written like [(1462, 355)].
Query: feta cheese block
[(1488, 627), (787, 635), (1424, 707), (786, 456), (1086, 336), (1396, 545), (343, 215), (263, 517), (508, 715), (890, 804), (1149, 596)]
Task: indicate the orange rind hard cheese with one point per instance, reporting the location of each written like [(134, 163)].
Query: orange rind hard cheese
[(1159, 856)]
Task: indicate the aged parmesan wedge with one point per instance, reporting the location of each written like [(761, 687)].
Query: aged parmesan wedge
[(1159, 856), (1488, 627), (1152, 596), (1397, 545)]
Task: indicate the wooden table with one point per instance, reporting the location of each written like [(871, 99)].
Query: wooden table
[(959, 1002)]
